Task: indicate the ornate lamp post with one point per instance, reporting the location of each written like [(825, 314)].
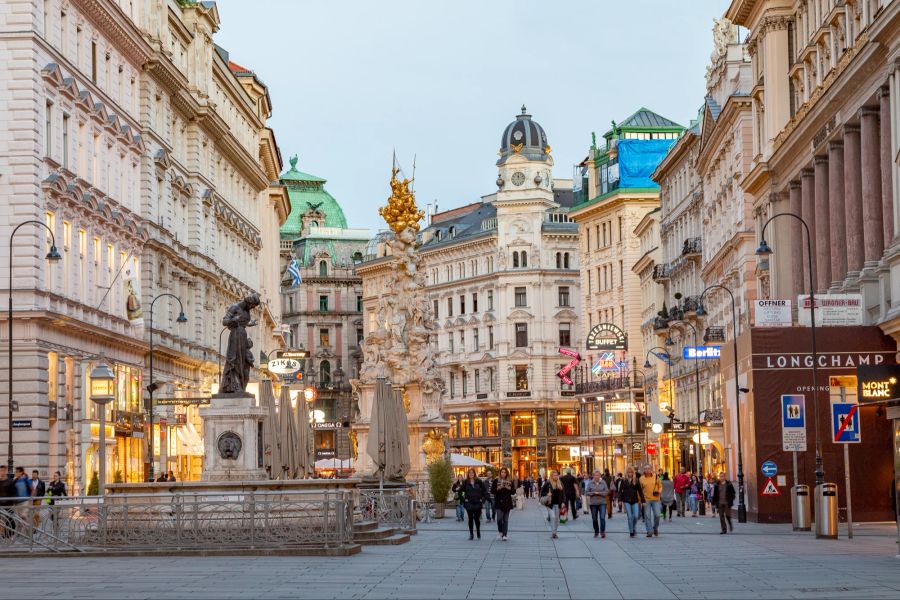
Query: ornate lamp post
[(103, 391), (765, 250), (53, 256), (151, 387), (701, 312)]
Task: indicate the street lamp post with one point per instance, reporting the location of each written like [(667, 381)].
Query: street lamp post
[(151, 387), (701, 312), (765, 250), (103, 390), (647, 365), (53, 256), (699, 444)]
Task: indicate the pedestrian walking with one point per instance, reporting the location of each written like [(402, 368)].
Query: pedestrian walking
[(57, 486), (667, 498), (572, 492), (38, 491), (618, 491), (457, 490), (488, 498), (682, 481), (503, 488), (607, 477), (694, 495), (7, 493), (474, 493), (553, 496), (651, 487), (632, 497), (596, 491), (170, 476), (723, 499), (708, 486)]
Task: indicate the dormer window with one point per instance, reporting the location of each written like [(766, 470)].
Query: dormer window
[(452, 232), (323, 269)]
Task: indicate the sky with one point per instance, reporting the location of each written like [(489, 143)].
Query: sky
[(354, 80)]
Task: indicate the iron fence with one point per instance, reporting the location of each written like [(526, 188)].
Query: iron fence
[(184, 521), (390, 507)]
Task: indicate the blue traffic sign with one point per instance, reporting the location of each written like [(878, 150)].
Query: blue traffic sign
[(793, 410), (845, 423), (769, 468)]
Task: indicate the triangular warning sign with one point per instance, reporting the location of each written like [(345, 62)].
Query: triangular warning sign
[(771, 489)]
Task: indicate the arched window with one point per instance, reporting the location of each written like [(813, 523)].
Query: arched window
[(515, 260), (313, 223), (357, 256), (324, 372), (524, 259), (323, 269), (566, 260), (558, 260)]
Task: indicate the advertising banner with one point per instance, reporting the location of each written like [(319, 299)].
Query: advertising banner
[(832, 310)]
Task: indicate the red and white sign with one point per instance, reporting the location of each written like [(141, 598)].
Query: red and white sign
[(770, 488), (651, 448)]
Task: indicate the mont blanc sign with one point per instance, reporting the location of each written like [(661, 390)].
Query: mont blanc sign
[(607, 336)]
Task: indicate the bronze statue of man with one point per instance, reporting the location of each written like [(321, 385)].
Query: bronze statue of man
[(238, 357)]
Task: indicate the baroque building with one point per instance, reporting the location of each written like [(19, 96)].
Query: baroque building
[(143, 155), (502, 278), (322, 303)]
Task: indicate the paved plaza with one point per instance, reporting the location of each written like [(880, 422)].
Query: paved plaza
[(688, 560)]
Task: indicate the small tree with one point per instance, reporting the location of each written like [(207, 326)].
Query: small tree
[(118, 478), (94, 485), (440, 477)]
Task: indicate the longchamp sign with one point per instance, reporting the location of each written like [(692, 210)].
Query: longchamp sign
[(607, 336), (832, 360)]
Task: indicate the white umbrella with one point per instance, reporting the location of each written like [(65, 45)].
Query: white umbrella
[(461, 460)]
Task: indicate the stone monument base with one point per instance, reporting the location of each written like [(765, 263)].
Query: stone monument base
[(232, 435)]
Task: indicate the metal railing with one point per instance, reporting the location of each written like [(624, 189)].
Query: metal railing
[(183, 521), (390, 507)]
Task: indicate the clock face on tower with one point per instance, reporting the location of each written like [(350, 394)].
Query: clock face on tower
[(518, 178)]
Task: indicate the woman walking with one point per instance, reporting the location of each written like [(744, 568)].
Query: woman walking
[(457, 490), (597, 492), (668, 496), (694, 495), (552, 497), (474, 494), (632, 497), (503, 489)]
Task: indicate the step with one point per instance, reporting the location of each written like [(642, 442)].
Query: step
[(373, 534), (364, 526), (394, 540)]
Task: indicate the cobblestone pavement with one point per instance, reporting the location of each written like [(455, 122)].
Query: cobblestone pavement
[(689, 559)]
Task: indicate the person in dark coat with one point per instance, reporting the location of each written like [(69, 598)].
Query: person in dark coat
[(7, 492), (723, 499), (632, 496), (553, 496), (474, 494), (572, 491), (503, 489)]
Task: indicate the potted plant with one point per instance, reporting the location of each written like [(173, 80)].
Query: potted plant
[(440, 477)]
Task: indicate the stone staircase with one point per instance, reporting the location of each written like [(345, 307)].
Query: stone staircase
[(368, 533)]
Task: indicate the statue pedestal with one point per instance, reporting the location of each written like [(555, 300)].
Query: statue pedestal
[(232, 435), (422, 419)]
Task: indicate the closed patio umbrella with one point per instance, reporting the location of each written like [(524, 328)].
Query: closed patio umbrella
[(271, 456), (288, 435), (375, 443), (305, 442)]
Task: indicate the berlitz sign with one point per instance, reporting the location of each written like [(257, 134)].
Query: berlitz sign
[(826, 360)]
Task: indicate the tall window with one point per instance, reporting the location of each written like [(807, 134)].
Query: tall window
[(490, 337), (436, 303), (462, 304), (524, 259), (521, 377), (490, 300), (359, 336), (452, 384), (462, 340), (564, 295), (477, 382), (474, 302), (465, 383), (450, 342), (48, 129), (565, 334), (94, 61), (493, 424), (559, 260), (65, 146), (324, 338), (475, 339), (359, 303), (323, 269), (566, 260), (323, 303), (454, 426), (521, 298), (464, 430), (449, 307), (515, 260), (477, 425), (324, 372), (521, 335)]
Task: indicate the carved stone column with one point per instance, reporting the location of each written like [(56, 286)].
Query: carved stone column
[(853, 201), (808, 201), (887, 185), (823, 222), (836, 211), (798, 241), (870, 160)]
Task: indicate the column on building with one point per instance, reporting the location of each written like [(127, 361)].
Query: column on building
[(808, 201), (894, 111), (836, 211), (887, 185), (853, 200), (870, 161), (798, 241), (823, 220)]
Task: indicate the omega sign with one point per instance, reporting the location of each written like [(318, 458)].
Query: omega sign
[(607, 336)]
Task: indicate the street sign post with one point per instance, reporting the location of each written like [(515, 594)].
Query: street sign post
[(793, 427), (845, 423)]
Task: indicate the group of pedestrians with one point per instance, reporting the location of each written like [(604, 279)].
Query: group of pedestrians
[(496, 496), (18, 491)]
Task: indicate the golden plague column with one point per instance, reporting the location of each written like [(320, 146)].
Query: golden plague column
[(397, 344)]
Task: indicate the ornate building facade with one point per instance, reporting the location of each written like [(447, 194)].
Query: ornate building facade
[(323, 308), (143, 156)]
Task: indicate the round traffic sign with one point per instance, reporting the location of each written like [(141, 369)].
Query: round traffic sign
[(769, 468)]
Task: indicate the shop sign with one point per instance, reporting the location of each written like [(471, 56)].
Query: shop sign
[(607, 336), (832, 360), (518, 394), (700, 352), (714, 416), (607, 363), (613, 429), (772, 313), (328, 425), (651, 448), (181, 401), (878, 383), (284, 366), (832, 310), (637, 446), (675, 426), (292, 353), (325, 453), (621, 407)]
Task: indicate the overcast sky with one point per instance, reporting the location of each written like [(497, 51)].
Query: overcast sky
[(352, 80)]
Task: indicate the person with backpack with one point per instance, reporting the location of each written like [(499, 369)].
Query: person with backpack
[(552, 496), (474, 493)]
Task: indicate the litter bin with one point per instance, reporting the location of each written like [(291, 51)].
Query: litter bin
[(827, 510), (800, 516)]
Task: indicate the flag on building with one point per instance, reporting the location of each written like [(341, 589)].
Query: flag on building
[(294, 272)]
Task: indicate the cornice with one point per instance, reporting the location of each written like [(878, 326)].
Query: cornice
[(118, 27), (735, 107)]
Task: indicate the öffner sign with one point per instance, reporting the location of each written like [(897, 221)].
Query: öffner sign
[(832, 360)]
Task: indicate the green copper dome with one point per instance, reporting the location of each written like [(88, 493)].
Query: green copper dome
[(307, 192)]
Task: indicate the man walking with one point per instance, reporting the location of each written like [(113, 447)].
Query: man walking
[(682, 481), (723, 499), (652, 488), (571, 492), (488, 496)]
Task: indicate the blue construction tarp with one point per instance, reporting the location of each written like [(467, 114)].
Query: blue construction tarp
[(638, 159)]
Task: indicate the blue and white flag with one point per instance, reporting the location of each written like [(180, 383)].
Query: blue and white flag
[(294, 271)]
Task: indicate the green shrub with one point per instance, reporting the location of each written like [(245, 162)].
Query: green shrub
[(94, 485), (440, 476)]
